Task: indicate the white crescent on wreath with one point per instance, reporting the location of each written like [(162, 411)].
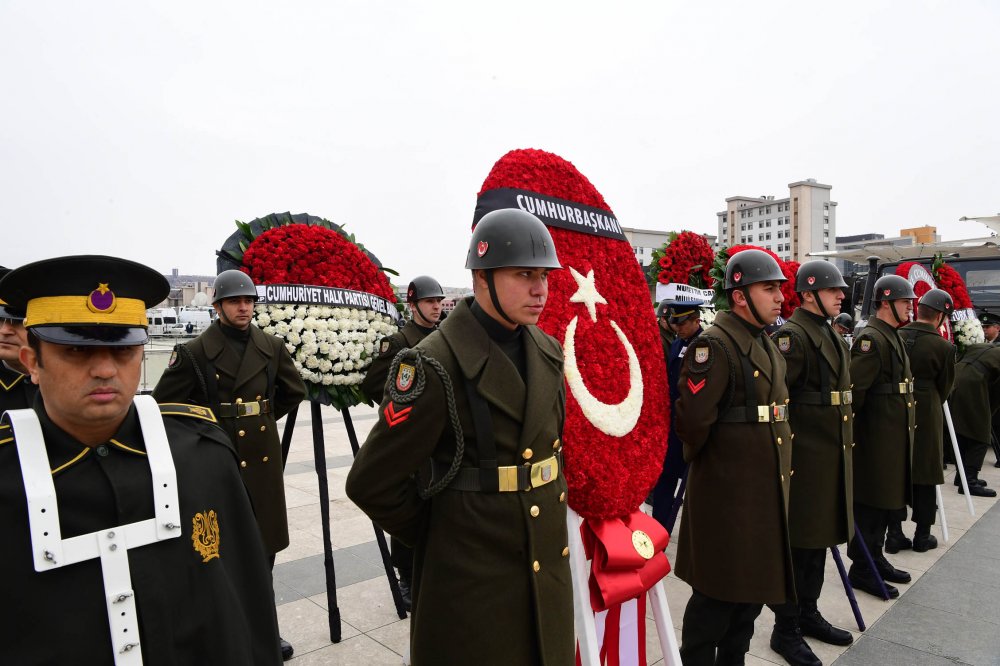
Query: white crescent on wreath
[(619, 419)]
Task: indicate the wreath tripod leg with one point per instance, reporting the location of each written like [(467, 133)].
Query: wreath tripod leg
[(319, 452)]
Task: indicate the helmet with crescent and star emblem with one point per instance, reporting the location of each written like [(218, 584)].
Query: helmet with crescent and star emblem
[(752, 266), (818, 274), (892, 288), (938, 299), (511, 237), (232, 284), (423, 286)]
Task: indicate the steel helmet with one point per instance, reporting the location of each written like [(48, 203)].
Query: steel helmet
[(232, 284), (845, 320), (752, 266), (423, 286), (818, 274), (938, 299), (892, 288), (511, 237)]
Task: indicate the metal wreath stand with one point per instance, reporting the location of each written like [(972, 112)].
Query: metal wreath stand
[(319, 456)]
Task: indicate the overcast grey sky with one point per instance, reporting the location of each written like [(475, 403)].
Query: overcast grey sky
[(144, 129)]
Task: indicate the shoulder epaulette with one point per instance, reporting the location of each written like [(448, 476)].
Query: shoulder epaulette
[(182, 409)]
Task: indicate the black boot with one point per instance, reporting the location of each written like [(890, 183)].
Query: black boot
[(814, 625), (895, 540), (404, 589), (286, 649), (862, 579), (923, 540), (888, 572), (786, 640)]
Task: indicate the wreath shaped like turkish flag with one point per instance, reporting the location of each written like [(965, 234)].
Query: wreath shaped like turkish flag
[(599, 308)]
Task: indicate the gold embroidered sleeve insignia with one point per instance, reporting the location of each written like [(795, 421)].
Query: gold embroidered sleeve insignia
[(205, 534), (182, 409)]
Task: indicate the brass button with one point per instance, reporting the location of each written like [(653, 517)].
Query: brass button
[(844, 447), (845, 418), (239, 401), (562, 497), (782, 478), (527, 464), (793, 435), (852, 445), (258, 397), (779, 441), (536, 566), (263, 428), (791, 474), (534, 511), (217, 376), (787, 400), (565, 552), (909, 404), (914, 426), (527, 454), (756, 373), (265, 458), (243, 433), (555, 444), (243, 463)]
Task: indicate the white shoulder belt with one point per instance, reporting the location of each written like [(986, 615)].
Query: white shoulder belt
[(50, 551)]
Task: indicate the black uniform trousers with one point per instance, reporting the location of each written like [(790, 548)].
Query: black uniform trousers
[(401, 557), (809, 568), (973, 454), (872, 523), (923, 504), (711, 623)]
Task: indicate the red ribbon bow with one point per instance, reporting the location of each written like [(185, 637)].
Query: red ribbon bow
[(618, 550)]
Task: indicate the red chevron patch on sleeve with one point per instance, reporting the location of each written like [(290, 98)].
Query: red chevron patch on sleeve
[(393, 416), (694, 387)]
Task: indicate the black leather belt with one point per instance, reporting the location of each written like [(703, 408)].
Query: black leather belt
[(902, 388), (833, 398), (235, 410), (511, 478), (761, 414)]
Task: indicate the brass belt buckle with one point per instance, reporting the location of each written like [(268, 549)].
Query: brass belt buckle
[(763, 414), (507, 479), (247, 409), (780, 412), (903, 387), (544, 471), (848, 397), (835, 398)]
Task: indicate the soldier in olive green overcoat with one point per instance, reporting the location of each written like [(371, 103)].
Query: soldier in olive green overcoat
[(975, 398), (491, 578), (932, 359), (820, 510), (883, 430), (733, 544)]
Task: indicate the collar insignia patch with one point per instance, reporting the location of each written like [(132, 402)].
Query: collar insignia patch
[(384, 347)]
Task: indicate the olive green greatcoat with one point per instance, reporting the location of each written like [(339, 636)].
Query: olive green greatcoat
[(883, 422), (256, 438), (821, 506), (477, 596), (733, 543), (977, 391), (405, 338), (932, 360)]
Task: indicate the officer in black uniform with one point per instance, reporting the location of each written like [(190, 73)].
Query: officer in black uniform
[(198, 591), (991, 326), (684, 317), (424, 296), (884, 413), (16, 389)]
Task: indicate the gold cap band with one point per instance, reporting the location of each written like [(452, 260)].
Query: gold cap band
[(75, 310)]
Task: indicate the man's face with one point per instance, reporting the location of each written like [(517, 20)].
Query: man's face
[(238, 311), (521, 291), (991, 331), (430, 308), (13, 336), (831, 298), (687, 328), (85, 387), (903, 308), (767, 299)]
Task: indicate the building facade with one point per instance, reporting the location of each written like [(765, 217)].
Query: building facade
[(805, 221)]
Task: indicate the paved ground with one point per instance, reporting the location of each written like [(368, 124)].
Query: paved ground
[(949, 614)]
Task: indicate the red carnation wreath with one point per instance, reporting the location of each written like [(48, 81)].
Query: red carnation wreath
[(608, 475), (330, 333), (788, 269), (676, 260)]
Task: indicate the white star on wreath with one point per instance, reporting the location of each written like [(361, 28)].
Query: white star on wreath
[(586, 292)]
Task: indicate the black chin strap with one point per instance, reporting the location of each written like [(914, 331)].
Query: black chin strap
[(819, 303), (895, 315), (420, 313), (493, 296), (751, 306)]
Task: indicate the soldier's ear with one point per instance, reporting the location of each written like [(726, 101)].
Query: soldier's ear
[(30, 360)]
